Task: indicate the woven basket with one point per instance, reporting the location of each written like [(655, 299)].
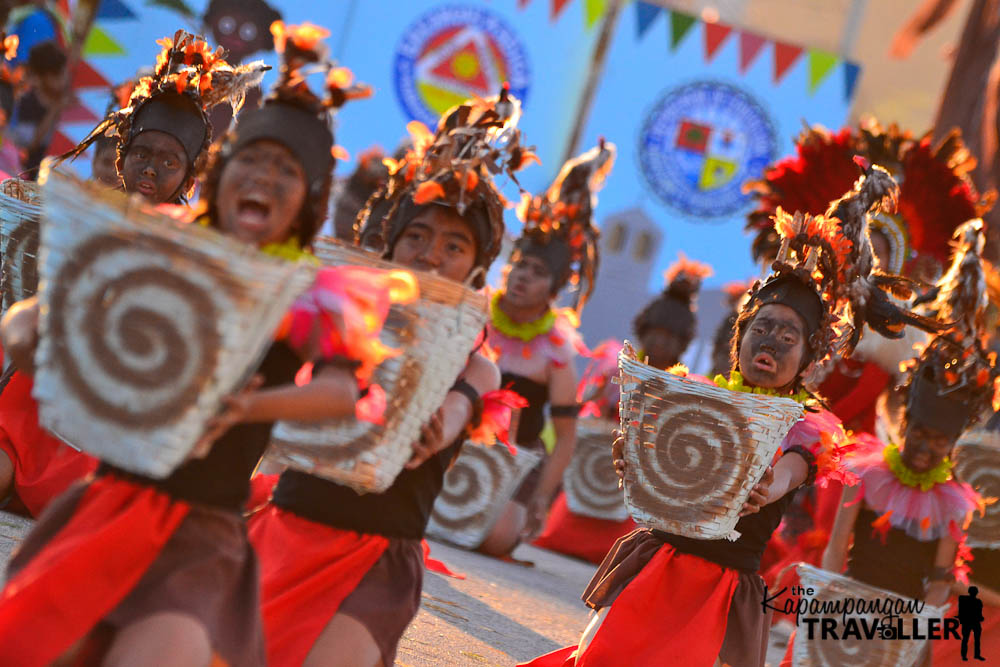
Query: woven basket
[(694, 451), (853, 652), (977, 462), (590, 481), (145, 324), (435, 336), (20, 211), (476, 489)]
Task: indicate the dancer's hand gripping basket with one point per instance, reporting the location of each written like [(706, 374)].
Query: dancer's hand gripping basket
[(885, 649), (434, 337), (476, 490), (977, 462), (146, 324), (694, 451), (20, 211), (590, 481)]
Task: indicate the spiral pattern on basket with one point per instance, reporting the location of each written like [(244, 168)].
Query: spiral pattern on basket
[(687, 471), (591, 482), (20, 262), (471, 487), (978, 466), (134, 339)]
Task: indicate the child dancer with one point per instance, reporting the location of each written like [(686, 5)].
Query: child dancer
[(666, 599), (35, 467), (142, 571), (341, 572), (537, 343)]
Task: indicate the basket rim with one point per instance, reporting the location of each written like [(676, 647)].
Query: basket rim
[(625, 362), (812, 570), (142, 218), (377, 260)]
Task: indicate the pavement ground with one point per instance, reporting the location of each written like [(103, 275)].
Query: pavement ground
[(502, 613)]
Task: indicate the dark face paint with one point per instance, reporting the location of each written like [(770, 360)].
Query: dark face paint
[(924, 447), (155, 166), (663, 347), (773, 347)]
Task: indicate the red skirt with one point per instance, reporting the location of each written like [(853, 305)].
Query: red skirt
[(307, 571), (580, 536), (678, 609), (105, 542), (44, 466)]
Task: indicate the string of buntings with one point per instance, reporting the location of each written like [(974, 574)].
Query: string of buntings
[(86, 77), (821, 64)]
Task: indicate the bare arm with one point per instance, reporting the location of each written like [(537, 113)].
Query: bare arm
[(938, 591), (19, 334), (562, 391), (331, 393), (789, 474), (835, 554)]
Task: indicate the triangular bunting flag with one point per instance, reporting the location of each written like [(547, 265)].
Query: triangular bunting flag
[(715, 35), (851, 71), (821, 63), (99, 43), (86, 76), (680, 25), (593, 10), (645, 14), (785, 56), (557, 7), (521, 4), (60, 144), (77, 113), (750, 46), (115, 10)]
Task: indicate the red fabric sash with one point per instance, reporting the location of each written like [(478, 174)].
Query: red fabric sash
[(306, 571), (581, 536), (673, 613), (86, 570), (44, 466)]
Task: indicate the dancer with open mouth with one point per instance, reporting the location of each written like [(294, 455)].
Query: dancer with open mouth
[(188, 592), (662, 598)]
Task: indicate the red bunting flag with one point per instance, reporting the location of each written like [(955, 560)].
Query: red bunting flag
[(785, 56), (557, 7), (715, 35), (750, 46)]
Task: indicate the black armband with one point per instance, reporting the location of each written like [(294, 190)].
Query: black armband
[(810, 459), (565, 410), (467, 390)]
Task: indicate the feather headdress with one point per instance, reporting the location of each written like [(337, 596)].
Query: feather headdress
[(188, 79), (559, 224), (454, 167), (935, 195)]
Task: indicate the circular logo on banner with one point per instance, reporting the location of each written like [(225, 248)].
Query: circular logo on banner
[(700, 143), (450, 54)]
